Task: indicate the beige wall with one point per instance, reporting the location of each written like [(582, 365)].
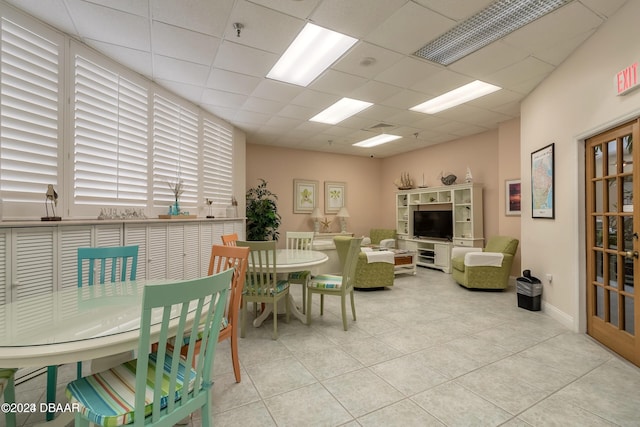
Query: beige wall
[(509, 168), (370, 188), (578, 100), (492, 157), (478, 152), (279, 167)]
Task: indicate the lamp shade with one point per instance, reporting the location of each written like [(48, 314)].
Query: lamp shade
[(343, 213), (316, 213)]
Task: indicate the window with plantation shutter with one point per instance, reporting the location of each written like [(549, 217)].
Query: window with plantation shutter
[(30, 111), (110, 135), (175, 152), (217, 162)]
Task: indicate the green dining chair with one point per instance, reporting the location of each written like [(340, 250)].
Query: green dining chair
[(160, 388), (302, 241), (7, 389), (96, 265), (262, 284), (337, 285)]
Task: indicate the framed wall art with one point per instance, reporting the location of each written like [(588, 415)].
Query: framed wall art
[(334, 196), (542, 183), (305, 195), (512, 194)]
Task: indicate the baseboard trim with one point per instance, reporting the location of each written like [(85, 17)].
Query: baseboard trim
[(559, 315)]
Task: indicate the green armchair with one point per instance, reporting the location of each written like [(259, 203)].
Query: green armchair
[(381, 236), (487, 268), (375, 275)]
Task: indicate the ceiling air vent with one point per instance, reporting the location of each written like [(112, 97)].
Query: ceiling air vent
[(381, 126), (490, 24)]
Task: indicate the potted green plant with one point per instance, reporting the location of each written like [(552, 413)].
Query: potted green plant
[(263, 219)]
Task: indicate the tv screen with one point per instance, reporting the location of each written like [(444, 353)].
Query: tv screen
[(433, 224)]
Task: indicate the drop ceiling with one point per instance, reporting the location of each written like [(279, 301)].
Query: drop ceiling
[(191, 48)]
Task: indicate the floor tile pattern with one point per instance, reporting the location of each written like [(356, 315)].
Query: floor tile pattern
[(426, 352)]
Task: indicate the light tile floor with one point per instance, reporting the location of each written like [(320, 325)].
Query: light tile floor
[(423, 353)]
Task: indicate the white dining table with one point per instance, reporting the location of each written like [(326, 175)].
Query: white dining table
[(72, 324), (287, 261), (75, 324)]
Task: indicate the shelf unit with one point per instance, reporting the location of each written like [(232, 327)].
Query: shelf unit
[(464, 200), (431, 253)]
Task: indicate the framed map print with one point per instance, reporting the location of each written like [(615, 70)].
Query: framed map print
[(542, 183), (334, 194), (305, 195)]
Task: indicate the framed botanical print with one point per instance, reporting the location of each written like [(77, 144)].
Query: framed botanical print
[(334, 196), (305, 195)]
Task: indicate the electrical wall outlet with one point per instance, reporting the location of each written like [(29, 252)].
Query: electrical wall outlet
[(549, 278)]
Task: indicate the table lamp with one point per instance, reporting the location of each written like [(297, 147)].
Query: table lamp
[(343, 214), (316, 214)]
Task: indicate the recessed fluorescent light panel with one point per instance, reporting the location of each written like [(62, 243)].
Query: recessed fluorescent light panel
[(490, 24), (377, 140), (312, 52), (341, 110), (458, 96)]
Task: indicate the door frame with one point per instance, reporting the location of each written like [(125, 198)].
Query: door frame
[(579, 319)]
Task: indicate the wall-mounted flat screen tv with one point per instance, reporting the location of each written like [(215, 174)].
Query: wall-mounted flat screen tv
[(433, 224)]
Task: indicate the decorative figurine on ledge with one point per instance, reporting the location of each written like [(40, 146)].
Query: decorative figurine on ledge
[(51, 197), (326, 223), (209, 202), (449, 179)]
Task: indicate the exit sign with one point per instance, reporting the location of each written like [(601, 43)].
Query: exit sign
[(627, 79)]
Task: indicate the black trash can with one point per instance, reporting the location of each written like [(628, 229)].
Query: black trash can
[(529, 291)]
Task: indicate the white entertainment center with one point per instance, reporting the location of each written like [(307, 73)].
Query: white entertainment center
[(464, 201)]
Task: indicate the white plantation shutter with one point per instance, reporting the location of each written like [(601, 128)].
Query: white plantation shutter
[(217, 158), (30, 111), (110, 137), (175, 152)]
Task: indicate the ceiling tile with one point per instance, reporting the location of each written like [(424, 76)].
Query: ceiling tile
[(299, 9), (441, 82), (520, 72), (355, 18), (183, 44), (566, 22), (313, 99), (277, 91), (455, 9), (262, 106), (409, 28), (197, 55), (222, 99), (137, 60), (375, 92), (264, 29), (557, 53), (232, 82), (366, 60), (604, 7), (52, 12), (407, 72), (297, 112), (337, 83), (476, 65), (110, 26), (204, 16), (244, 59), (189, 92), (404, 99), (179, 71)]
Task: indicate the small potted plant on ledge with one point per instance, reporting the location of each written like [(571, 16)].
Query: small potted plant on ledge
[(177, 188), (263, 219)]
